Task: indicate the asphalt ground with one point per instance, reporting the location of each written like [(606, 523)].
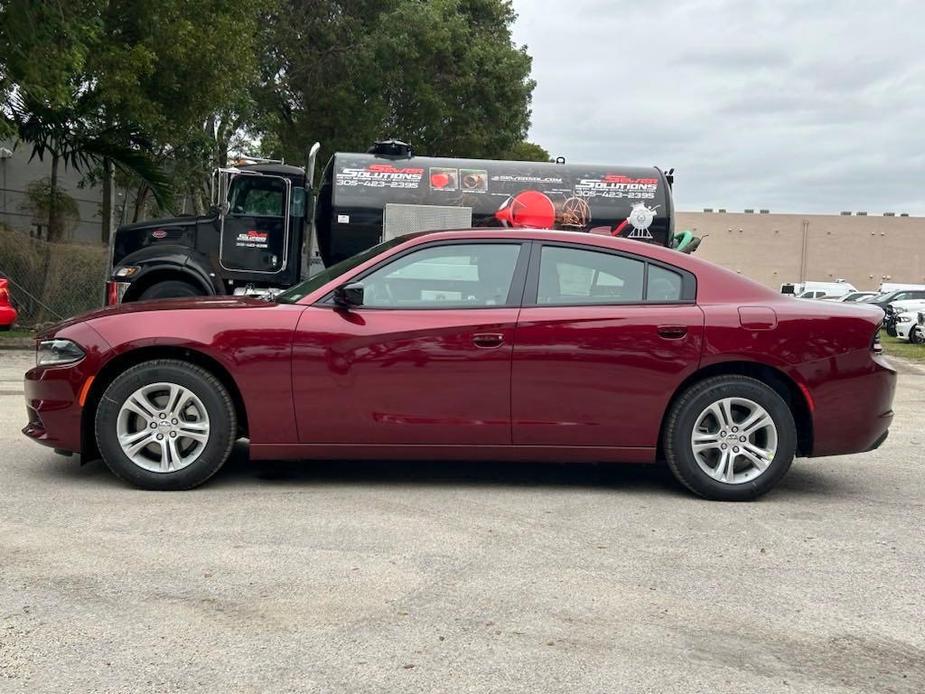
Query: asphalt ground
[(439, 577)]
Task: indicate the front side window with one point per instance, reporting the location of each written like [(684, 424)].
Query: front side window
[(257, 196), (447, 276), (570, 276)]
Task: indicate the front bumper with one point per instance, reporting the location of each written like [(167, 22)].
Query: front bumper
[(53, 393)]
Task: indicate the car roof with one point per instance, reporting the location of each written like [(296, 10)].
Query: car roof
[(714, 290)]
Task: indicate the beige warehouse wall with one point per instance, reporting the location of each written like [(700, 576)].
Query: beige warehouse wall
[(777, 248)]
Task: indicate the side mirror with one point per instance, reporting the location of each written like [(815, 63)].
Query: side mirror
[(349, 295)]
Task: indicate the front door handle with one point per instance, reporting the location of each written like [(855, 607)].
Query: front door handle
[(672, 332), (488, 340)]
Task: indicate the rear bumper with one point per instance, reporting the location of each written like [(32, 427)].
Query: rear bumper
[(8, 316), (853, 402)]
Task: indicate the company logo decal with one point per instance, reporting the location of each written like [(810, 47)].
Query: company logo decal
[(617, 186), (381, 176), (252, 239)]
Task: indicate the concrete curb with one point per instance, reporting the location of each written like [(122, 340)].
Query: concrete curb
[(17, 343)]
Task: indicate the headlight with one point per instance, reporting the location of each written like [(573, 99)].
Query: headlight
[(57, 352), (126, 271), (905, 318)]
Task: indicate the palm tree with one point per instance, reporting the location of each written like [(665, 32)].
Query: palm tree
[(79, 137)]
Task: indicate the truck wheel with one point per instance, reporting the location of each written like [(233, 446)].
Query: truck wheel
[(729, 438), (165, 425), (171, 289)]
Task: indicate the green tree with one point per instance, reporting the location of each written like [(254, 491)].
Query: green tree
[(443, 75), (134, 83), (44, 199), (527, 151)]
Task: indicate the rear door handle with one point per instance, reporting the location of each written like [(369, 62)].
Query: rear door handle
[(488, 340), (672, 332)]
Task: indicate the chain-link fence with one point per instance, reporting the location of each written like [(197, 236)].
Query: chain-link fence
[(51, 281)]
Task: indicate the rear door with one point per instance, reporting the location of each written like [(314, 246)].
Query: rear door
[(602, 342), (255, 229), (425, 360)]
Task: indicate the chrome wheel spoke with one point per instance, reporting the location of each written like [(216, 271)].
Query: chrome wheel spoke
[(133, 443), (140, 405), (196, 431), (757, 420), (724, 468)]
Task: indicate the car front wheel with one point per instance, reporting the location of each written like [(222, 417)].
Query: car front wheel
[(165, 425), (730, 438)]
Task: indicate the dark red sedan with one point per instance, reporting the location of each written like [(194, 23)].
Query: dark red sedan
[(484, 344)]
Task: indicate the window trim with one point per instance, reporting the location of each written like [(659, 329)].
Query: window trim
[(688, 279), (515, 293)]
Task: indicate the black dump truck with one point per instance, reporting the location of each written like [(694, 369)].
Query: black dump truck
[(268, 228)]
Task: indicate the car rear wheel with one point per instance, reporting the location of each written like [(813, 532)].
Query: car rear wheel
[(165, 425), (730, 438), (171, 289)]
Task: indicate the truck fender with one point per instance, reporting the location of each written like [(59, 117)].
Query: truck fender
[(164, 267)]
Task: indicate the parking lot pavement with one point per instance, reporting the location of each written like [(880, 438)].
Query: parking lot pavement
[(430, 577)]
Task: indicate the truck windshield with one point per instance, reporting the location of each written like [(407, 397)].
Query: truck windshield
[(300, 291)]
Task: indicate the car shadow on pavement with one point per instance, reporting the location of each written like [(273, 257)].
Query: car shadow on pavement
[(801, 479), (241, 471)]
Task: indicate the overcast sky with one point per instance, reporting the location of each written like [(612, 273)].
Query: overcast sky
[(812, 106)]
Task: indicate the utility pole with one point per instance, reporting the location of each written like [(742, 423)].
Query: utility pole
[(108, 185), (5, 155)]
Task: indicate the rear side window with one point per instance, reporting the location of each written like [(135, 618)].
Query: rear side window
[(570, 276), (663, 285)]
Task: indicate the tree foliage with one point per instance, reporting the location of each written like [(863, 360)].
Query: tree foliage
[(173, 85), (442, 74)]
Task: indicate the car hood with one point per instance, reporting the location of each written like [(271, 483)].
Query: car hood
[(212, 302)]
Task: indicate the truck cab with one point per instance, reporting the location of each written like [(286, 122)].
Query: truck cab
[(250, 241)]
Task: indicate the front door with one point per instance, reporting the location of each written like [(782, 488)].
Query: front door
[(425, 360), (602, 342), (255, 228)]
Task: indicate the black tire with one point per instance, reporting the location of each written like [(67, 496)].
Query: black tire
[(213, 396), (171, 289), (679, 426), (917, 335)]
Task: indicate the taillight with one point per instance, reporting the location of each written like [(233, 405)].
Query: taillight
[(115, 291)]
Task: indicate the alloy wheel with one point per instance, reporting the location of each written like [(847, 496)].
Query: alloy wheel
[(734, 440), (162, 427)]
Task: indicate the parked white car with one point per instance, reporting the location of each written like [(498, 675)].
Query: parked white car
[(818, 290), (887, 287), (854, 297), (908, 305), (907, 325)]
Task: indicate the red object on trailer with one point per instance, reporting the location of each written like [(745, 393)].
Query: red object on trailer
[(8, 314)]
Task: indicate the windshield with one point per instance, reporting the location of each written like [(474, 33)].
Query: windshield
[(299, 291)]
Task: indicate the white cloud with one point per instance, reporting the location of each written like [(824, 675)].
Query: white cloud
[(796, 105)]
